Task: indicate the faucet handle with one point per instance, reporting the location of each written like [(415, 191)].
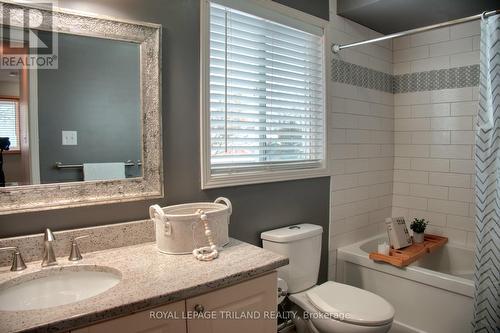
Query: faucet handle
[(75, 254), (17, 260)]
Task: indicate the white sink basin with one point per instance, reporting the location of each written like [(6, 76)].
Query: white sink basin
[(56, 286)]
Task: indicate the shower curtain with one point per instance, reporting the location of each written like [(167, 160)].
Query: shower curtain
[(487, 162)]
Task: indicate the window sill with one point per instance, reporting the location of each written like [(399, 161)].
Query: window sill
[(11, 152), (260, 177)]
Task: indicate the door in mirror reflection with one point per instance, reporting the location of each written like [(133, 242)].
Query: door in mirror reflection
[(80, 121)]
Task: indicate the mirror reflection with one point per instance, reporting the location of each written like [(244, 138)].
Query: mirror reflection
[(79, 122)]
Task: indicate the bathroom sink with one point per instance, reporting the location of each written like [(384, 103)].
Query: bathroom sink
[(56, 286)]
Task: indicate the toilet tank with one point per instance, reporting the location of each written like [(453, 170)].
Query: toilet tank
[(301, 243)]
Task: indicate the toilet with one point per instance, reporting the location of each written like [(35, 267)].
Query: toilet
[(330, 307)]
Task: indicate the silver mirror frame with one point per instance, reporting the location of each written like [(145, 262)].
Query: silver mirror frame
[(20, 199)]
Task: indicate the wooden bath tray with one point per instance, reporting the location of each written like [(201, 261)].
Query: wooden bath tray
[(405, 256)]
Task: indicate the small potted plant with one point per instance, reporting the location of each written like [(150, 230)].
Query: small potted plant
[(418, 226)]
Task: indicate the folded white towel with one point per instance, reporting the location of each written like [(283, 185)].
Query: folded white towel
[(103, 171)]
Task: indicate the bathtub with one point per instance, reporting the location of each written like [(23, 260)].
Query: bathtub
[(434, 294)]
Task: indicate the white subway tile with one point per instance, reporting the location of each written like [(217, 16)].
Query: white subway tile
[(340, 182), (435, 219), (349, 195), (465, 30), (353, 236), (380, 110), (430, 64), (350, 224), (402, 111), (430, 110), (462, 166), (401, 68), (412, 124), (412, 98), (448, 207), (462, 137), (461, 194), (451, 47), (401, 188), (464, 59), (430, 37), (338, 135), (455, 236), (411, 150), (379, 190), (451, 151), (402, 137), (451, 95), (402, 163), (337, 167), (384, 137), (430, 137), (365, 151), (464, 108), (401, 43), (411, 54), (476, 42), (340, 120), (449, 179), (374, 177), (400, 211), (451, 123), (343, 151), (379, 216), (430, 164), (387, 150), (409, 202), (429, 191), (358, 136), (410, 176), (471, 240)]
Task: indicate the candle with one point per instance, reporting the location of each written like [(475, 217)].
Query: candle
[(383, 248)]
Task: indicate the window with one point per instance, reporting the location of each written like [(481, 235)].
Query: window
[(263, 103), (9, 121)]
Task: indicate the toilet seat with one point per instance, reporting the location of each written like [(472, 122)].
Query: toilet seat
[(357, 306)]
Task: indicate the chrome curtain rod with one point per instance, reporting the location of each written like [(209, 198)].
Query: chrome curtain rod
[(337, 47)]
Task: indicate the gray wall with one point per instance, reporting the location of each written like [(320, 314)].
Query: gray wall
[(256, 207), (95, 91)]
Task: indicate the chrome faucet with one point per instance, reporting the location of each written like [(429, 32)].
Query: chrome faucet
[(49, 258)]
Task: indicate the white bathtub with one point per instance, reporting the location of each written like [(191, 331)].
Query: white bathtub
[(434, 294)]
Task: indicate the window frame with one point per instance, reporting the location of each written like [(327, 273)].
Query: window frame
[(18, 124), (272, 11)]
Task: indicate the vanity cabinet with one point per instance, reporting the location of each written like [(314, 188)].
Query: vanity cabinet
[(249, 306)]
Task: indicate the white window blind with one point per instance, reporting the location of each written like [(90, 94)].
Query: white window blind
[(266, 94), (9, 123)]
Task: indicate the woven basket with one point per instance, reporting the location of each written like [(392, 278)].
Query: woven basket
[(179, 229)]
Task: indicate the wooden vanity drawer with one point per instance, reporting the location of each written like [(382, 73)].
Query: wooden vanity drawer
[(144, 322)]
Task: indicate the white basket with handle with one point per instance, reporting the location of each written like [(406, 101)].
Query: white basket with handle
[(179, 229)]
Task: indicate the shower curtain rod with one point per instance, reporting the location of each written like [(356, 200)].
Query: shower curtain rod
[(337, 47)]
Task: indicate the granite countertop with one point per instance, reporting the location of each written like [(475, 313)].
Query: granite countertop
[(149, 279)]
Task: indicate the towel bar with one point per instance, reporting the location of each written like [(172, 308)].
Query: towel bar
[(60, 165)]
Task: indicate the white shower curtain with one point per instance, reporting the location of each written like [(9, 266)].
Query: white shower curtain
[(487, 161)]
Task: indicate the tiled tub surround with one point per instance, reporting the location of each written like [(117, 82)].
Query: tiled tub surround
[(401, 132), (434, 130), (149, 279), (361, 125)]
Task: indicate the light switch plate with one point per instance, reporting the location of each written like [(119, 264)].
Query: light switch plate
[(69, 138)]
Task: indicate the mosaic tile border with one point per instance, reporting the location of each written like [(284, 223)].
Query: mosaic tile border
[(449, 78), (346, 72)]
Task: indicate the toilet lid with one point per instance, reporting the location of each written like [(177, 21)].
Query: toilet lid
[(358, 306)]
